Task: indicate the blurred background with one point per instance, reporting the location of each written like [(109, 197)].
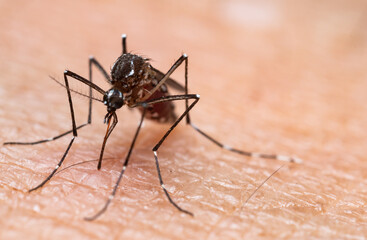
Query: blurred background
[(276, 76)]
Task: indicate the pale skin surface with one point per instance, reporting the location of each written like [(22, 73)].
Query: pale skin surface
[(280, 78)]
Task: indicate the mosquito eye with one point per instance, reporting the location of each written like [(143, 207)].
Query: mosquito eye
[(114, 99)]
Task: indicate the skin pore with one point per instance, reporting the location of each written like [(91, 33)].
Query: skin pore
[(282, 78)]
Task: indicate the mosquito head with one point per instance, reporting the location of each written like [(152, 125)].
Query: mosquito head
[(113, 99)]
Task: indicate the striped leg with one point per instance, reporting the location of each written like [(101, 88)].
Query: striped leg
[(74, 131), (92, 61), (196, 98), (112, 195), (245, 153)]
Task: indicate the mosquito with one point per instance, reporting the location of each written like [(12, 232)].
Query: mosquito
[(136, 84)]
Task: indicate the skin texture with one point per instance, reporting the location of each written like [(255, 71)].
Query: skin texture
[(280, 77)]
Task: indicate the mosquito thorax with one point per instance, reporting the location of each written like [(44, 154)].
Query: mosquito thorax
[(129, 71), (113, 99)]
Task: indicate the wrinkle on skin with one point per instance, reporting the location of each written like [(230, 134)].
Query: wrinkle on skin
[(287, 78)]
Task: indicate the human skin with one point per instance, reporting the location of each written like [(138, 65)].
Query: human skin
[(282, 78)]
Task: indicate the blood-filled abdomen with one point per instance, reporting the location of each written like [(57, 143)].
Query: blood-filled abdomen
[(162, 112)]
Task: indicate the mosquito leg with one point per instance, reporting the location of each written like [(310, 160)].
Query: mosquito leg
[(187, 88), (166, 76), (108, 202), (55, 169), (124, 48), (74, 131), (44, 140), (156, 147), (101, 91), (92, 61), (246, 153)]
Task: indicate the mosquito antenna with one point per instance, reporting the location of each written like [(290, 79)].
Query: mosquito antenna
[(74, 91)]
